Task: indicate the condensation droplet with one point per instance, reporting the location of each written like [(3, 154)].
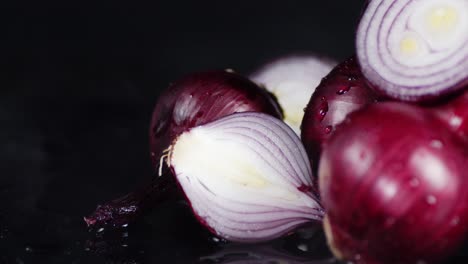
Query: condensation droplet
[(414, 182), (437, 144), (328, 129), (343, 90), (352, 78), (455, 121), (303, 247), (455, 221), (431, 199), (389, 221), (28, 249)]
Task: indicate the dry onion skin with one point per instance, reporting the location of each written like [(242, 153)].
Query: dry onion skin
[(414, 50)]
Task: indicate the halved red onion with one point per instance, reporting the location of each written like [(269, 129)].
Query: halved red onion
[(247, 177), (414, 50), (193, 100), (293, 79)]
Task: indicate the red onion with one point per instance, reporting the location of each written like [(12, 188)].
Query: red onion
[(393, 183), (200, 98), (454, 113), (414, 50), (293, 79), (342, 91), (196, 99), (247, 177)]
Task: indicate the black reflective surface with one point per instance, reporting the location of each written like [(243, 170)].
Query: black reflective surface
[(76, 94)]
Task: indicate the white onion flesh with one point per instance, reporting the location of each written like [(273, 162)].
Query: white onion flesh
[(293, 79), (244, 176), (413, 49)]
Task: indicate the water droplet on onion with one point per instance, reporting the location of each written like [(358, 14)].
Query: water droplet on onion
[(431, 199)]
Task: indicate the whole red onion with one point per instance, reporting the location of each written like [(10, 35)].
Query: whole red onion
[(454, 112), (393, 182), (341, 92)]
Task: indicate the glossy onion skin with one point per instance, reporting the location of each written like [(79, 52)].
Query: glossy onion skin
[(341, 92), (203, 97), (393, 183), (454, 113)]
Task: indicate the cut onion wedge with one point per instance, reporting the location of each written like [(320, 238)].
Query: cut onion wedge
[(246, 176), (414, 50)]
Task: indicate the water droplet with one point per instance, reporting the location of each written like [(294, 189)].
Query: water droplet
[(362, 155), (323, 108), (124, 225), (100, 230), (437, 144), (303, 247), (328, 129), (455, 221), (389, 221), (431, 199), (28, 249), (343, 90), (455, 121), (414, 182), (304, 188), (124, 245), (199, 114), (352, 78)]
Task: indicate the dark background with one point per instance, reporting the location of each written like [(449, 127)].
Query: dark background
[(76, 94)]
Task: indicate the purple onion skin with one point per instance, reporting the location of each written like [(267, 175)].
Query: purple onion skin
[(393, 183), (454, 113), (341, 92), (203, 97), (194, 100)]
